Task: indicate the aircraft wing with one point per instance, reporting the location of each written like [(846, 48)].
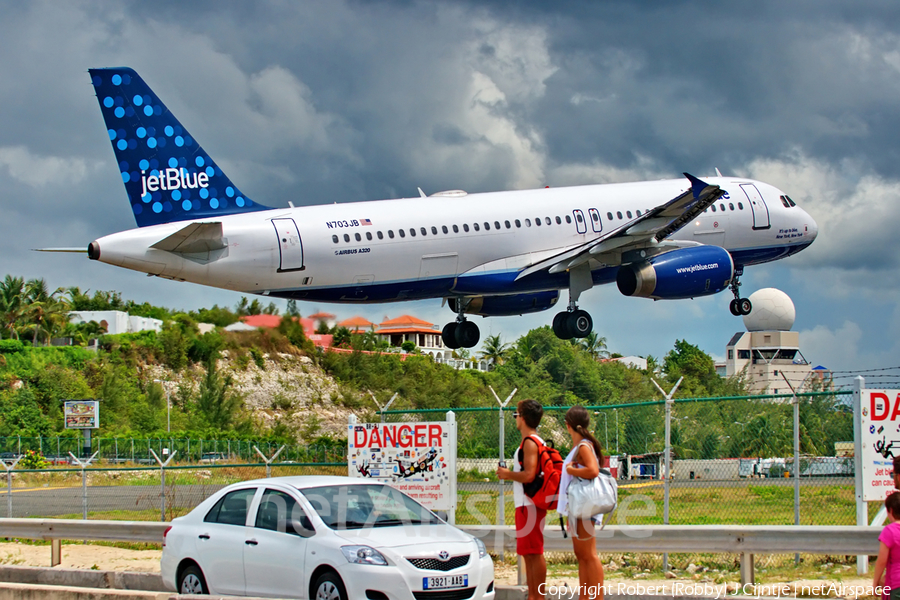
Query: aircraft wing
[(194, 238), (646, 231)]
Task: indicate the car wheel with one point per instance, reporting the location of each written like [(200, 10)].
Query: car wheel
[(330, 587), (192, 581)]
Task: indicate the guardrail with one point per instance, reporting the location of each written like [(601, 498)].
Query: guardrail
[(738, 539)]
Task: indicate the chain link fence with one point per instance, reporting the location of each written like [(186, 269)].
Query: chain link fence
[(119, 450)]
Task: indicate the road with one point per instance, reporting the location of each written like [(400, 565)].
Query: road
[(56, 502)]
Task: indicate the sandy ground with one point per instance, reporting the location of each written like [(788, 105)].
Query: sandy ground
[(106, 558)]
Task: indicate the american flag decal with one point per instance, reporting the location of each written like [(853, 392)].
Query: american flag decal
[(365, 221)]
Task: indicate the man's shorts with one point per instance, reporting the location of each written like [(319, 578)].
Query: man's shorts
[(530, 530)]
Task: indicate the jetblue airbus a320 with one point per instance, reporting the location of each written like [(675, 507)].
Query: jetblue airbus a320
[(491, 254)]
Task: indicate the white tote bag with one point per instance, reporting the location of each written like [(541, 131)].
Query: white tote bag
[(589, 497)]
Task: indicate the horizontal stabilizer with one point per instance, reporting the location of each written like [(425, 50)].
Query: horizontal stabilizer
[(195, 238)]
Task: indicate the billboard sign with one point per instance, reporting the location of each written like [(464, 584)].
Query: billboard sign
[(82, 414), (419, 459), (880, 413)]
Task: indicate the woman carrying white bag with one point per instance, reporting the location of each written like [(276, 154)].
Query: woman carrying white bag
[(582, 465)]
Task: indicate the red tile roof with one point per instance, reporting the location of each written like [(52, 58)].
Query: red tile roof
[(405, 321), (356, 324), (266, 321)]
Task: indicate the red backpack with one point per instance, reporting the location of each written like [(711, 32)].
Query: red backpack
[(544, 489)]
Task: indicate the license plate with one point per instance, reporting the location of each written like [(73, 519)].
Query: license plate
[(440, 583)]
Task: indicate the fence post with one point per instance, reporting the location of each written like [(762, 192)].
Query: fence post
[(501, 496), (668, 459), (862, 509), (9, 469), (268, 461), (84, 465), (162, 480)]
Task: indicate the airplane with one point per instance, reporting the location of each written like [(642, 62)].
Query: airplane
[(489, 254)]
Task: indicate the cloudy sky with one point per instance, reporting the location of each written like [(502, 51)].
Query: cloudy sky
[(315, 102)]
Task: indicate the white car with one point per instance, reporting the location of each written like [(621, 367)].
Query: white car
[(328, 538)]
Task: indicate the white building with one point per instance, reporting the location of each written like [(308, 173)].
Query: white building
[(768, 352), (115, 321)]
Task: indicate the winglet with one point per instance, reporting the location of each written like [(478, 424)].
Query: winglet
[(697, 186)]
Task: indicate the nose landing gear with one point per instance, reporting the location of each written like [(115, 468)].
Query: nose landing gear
[(739, 306)]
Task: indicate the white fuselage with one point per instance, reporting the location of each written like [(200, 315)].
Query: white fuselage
[(452, 245)]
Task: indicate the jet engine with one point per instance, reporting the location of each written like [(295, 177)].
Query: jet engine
[(504, 306), (684, 273)]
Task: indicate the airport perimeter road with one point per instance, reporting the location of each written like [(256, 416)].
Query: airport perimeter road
[(56, 502)]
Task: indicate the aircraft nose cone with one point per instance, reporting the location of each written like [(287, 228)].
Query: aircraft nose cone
[(812, 228)]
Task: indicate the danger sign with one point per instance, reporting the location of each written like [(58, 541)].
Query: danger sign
[(880, 413)]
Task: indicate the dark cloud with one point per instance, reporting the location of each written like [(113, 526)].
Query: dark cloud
[(347, 101)]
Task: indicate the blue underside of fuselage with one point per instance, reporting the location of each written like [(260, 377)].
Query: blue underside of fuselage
[(489, 284)]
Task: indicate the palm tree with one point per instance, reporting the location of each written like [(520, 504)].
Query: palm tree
[(12, 305), (44, 313), (494, 350), (595, 345)]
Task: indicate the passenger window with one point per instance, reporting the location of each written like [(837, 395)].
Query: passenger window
[(508, 226), (638, 212), (568, 219), (595, 217), (487, 226), (475, 225), (391, 233), (628, 214), (466, 227), (537, 221), (722, 207), (334, 239), (402, 233), (444, 229), (527, 222), (412, 232), (346, 237), (609, 216), (358, 238), (579, 218), (713, 207), (740, 206), (619, 213), (232, 508), (730, 206), (381, 235), (423, 230), (558, 220), (434, 230), (548, 220), (455, 229), (496, 224), (278, 511), (518, 223), (369, 235)]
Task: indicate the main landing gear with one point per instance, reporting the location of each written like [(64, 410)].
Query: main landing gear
[(574, 323), (739, 306), (460, 334)]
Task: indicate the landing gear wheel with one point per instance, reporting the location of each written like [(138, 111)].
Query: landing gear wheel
[(191, 581), (744, 306), (330, 587), (579, 324), (448, 335), (560, 326), (467, 334), (734, 308)]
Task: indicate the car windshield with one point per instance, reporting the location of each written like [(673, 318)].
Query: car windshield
[(366, 506)]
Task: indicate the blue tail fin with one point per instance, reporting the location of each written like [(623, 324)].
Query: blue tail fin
[(167, 174)]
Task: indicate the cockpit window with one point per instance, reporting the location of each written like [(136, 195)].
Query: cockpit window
[(791, 202), (784, 201)]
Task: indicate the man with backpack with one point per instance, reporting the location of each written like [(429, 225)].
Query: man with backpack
[(529, 517)]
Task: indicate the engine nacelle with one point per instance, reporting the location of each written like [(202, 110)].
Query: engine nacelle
[(505, 306), (685, 273)]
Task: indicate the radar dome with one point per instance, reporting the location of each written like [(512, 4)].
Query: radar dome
[(772, 310)]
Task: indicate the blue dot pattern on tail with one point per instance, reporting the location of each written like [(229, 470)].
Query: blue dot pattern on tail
[(166, 173)]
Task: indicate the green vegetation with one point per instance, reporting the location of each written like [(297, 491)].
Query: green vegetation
[(204, 402)]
